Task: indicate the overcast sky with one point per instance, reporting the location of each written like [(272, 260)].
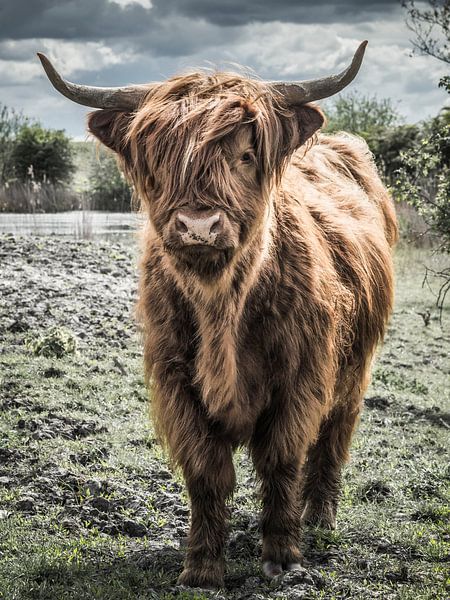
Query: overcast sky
[(115, 42)]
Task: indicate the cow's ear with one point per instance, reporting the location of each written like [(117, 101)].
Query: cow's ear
[(310, 119), (110, 128)]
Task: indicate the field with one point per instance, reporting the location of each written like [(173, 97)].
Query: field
[(89, 507)]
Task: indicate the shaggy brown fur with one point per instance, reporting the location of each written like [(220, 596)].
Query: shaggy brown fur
[(268, 340)]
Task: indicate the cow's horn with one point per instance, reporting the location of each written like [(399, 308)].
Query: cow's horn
[(299, 92), (124, 98)]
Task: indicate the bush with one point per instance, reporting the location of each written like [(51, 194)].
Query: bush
[(41, 155), (31, 197), (10, 124), (55, 343), (423, 179), (387, 144), (108, 187), (360, 114), (378, 122)]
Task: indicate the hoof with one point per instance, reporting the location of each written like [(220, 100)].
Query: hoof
[(199, 579), (323, 516), (296, 566), (272, 569)]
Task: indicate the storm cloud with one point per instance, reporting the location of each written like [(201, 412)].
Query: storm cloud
[(106, 42), (235, 12), (105, 19)]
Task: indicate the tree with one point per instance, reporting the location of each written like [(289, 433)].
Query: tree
[(42, 155), (108, 187), (388, 144), (379, 123), (431, 28), (10, 124), (361, 114), (423, 179), (424, 176)]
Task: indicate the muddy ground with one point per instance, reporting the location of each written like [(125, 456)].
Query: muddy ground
[(89, 507)]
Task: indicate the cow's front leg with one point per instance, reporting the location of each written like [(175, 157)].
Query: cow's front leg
[(210, 479), (278, 449), (280, 519)]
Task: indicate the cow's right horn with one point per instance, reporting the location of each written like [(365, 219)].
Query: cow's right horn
[(122, 98)]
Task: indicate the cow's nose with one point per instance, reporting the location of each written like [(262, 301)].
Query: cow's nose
[(198, 227)]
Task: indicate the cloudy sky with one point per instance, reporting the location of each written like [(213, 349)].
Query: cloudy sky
[(115, 42)]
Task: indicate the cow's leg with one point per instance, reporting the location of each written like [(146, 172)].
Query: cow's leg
[(279, 471), (180, 418), (280, 519), (326, 457), (206, 461), (210, 479)]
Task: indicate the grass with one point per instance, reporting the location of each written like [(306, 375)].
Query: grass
[(88, 505)]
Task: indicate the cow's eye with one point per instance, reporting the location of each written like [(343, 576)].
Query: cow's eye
[(247, 158)]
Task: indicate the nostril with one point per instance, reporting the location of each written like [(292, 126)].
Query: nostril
[(216, 226), (180, 226)]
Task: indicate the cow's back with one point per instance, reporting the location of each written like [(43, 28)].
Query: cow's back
[(337, 182), (338, 177)]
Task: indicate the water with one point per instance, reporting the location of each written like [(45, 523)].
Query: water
[(87, 224)]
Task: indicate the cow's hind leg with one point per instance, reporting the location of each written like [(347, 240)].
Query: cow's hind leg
[(322, 469)]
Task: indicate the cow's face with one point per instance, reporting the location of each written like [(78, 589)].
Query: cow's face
[(213, 217), (204, 161)]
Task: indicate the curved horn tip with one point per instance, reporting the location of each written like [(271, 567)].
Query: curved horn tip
[(42, 57), (362, 47), (48, 67)]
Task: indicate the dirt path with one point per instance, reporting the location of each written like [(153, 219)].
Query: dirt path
[(88, 505)]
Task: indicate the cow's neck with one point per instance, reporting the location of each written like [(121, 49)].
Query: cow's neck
[(219, 312)]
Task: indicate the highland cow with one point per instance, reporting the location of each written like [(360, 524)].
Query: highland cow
[(266, 285)]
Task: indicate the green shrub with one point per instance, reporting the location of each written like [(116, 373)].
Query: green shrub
[(423, 178), (10, 124), (55, 343), (108, 188), (41, 156), (379, 123)]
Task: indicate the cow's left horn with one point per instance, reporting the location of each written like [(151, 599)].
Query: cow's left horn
[(299, 92), (124, 98)]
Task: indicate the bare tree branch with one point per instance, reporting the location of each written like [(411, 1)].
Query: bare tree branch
[(431, 28)]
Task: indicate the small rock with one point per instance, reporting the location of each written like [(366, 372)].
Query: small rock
[(101, 504), (69, 525), (380, 402), (25, 505), (109, 529), (252, 583), (164, 474), (298, 592), (134, 529), (53, 372), (181, 510), (315, 577), (296, 576), (18, 326), (374, 491)]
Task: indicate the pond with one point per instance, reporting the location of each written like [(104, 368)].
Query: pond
[(87, 224)]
